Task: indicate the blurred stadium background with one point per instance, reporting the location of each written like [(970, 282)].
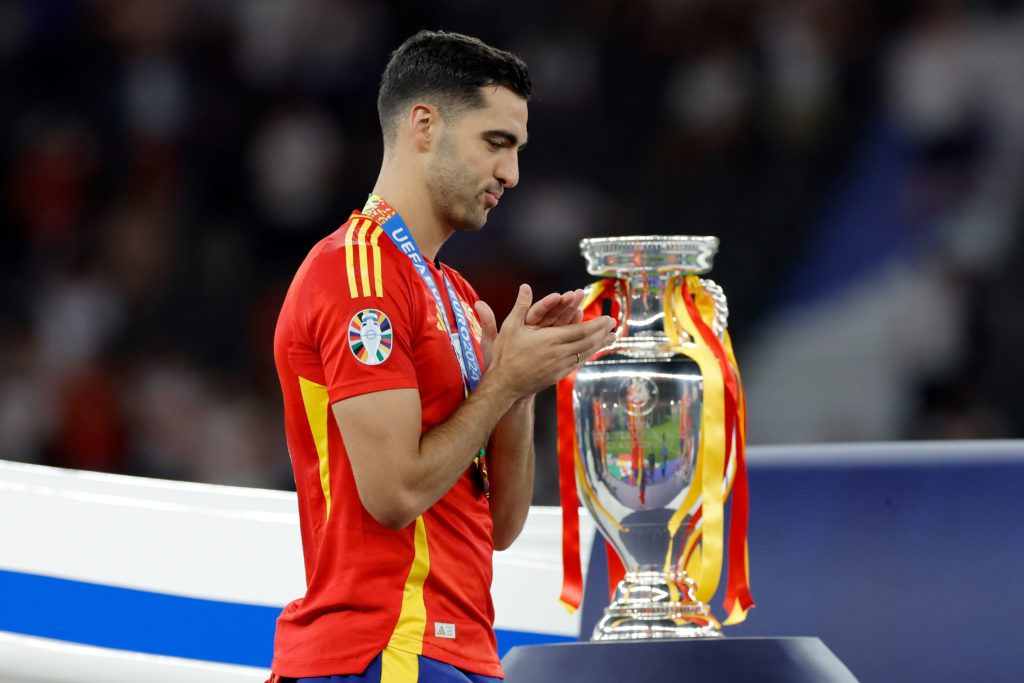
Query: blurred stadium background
[(166, 164)]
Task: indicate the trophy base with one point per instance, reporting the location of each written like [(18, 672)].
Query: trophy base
[(653, 604), (635, 628)]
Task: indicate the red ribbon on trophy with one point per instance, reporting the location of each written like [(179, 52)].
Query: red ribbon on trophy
[(568, 457), (721, 463)]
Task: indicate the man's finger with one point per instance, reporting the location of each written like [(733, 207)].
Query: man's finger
[(522, 305), (573, 334), (539, 312), (488, 329), (570, 304), (588, 346), (487, 322)]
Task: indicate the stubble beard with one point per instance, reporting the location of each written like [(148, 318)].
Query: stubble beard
[(453, 190)]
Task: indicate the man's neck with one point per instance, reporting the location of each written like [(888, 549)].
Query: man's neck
[(413, 205)]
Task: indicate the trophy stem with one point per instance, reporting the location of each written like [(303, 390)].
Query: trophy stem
[(650, 604)]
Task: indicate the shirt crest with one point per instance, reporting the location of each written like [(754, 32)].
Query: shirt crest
[(370, 336)]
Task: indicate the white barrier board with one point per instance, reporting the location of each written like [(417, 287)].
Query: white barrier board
[(181, 544)]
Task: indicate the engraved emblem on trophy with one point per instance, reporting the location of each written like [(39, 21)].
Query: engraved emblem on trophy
[(658, 421)]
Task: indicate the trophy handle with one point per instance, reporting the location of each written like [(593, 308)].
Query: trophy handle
[(721, 320)]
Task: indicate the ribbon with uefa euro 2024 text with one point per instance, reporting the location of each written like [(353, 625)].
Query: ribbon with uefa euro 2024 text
[(394, 227)]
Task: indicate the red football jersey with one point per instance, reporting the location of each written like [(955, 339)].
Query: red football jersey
[(358, 319)]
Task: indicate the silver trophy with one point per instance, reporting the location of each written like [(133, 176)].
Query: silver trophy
[(637, 409)]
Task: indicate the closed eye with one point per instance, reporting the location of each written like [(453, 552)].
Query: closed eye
[(498, 139)]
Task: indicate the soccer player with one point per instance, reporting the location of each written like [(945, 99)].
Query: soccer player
[(409, 414)]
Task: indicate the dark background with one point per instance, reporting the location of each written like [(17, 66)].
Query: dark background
[(166, 165)]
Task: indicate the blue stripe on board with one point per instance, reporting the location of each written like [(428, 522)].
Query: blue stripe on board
[(138, 621), (510, 639), (157, 623)]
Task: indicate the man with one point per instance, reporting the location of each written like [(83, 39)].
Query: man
[(411, 463)]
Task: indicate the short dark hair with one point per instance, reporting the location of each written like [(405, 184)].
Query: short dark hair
[(447, 69)]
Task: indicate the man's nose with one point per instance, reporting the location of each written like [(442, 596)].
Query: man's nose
[(507, 172)]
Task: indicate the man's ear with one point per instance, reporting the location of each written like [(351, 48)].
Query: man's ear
[(424, 125)]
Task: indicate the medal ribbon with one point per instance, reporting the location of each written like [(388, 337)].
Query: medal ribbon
[(394, 227), (378, 210)]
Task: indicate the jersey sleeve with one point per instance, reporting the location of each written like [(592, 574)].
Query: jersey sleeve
[(359, 322)]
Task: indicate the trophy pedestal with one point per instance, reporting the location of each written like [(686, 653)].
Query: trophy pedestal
[(653, 604), (612, 627), (710, 660)]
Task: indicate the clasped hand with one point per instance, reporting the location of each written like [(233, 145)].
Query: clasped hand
[(538, 342)]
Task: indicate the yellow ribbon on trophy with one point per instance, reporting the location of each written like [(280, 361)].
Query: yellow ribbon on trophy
[(690, 308), (706, 489)]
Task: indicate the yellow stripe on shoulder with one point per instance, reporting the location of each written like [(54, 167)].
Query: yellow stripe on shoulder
[(363, 257), (364, 268), (377, 278), (349, 261)]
